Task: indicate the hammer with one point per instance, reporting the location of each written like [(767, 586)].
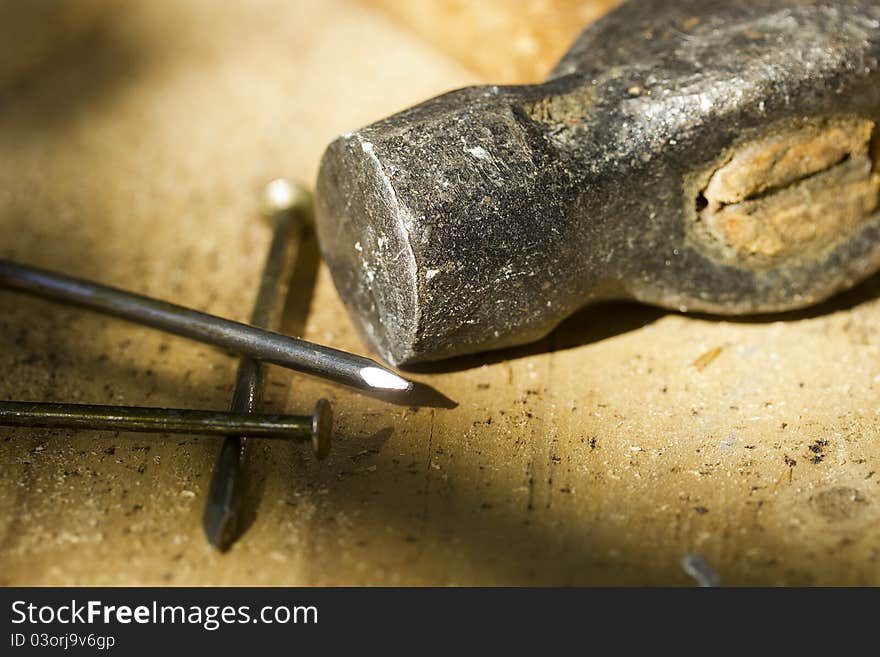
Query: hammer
[(700, 155)]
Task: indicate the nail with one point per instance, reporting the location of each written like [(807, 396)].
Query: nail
[(245, 340), (316, 427), (288, 207)]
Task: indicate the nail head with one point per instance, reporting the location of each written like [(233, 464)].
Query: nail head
[(322, 429), (282, 195)]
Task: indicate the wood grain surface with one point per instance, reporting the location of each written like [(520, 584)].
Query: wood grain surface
[(605, 454), (505, 41)]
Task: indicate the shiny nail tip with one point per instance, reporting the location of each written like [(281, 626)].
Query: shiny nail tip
[(376, 377)]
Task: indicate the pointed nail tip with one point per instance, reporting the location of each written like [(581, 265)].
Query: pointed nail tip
[(216, 526), (384, 379), (214, 539), (219, 542)]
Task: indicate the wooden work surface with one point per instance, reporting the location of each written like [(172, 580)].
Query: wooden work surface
[(605, 454)]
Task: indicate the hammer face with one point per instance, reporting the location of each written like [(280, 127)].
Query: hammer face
[(699, 155), (368, 243)]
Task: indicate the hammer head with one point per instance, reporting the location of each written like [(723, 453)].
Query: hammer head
[(708, 155)]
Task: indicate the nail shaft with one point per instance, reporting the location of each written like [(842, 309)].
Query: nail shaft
[(96, 417)]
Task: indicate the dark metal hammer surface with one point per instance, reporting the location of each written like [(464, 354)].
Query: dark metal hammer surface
[(702, 155)]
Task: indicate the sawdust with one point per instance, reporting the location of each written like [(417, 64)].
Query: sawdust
[(706, 359)]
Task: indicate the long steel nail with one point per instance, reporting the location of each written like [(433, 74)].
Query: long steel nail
[(316, 427), (287, 206), (236, 337)]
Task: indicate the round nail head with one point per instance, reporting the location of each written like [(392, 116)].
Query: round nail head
[(322, 429), (282, 195)]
